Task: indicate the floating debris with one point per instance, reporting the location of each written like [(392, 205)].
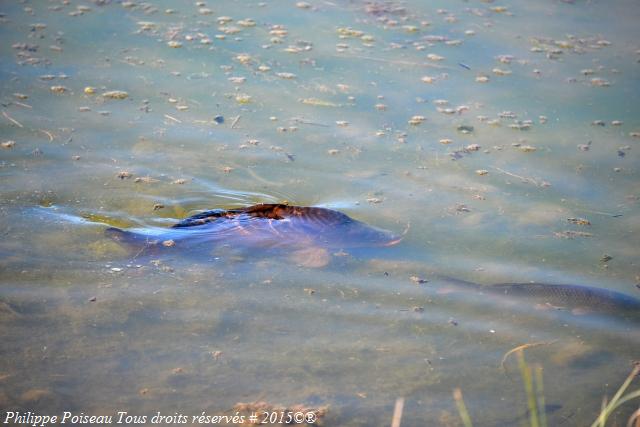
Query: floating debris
[(147, 25), (418, 280), (521, 125), (416, 120), (237, 80), (115, 94), (347, 32), (579, 221), (146, 180), (570, 234), (25, 46), (501, 72), (318, 102), (59, 89), (524, 179), (286, 76), (507, 115), (584, 147), (462, 208), (243, 98), (599, 82)]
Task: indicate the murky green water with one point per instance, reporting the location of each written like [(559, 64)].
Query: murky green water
[(485, 130)]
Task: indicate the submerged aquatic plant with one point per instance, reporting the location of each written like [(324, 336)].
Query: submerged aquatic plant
[(532, 379), (462, 408), (534, 391), (619, 399)]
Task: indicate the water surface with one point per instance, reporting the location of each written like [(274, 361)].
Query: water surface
[(505, 138)]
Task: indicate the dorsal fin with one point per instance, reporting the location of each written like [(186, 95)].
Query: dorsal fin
[(267, 210), (201, 218)]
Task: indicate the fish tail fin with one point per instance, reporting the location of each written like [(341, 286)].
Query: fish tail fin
[(121, 236), (133, 241), (128, 238)]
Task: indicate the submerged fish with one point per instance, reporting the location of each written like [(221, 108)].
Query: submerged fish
[(576, 299), (307, 232), (571, 297)]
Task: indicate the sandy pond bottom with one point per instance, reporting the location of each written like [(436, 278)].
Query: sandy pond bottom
[(503, 138)]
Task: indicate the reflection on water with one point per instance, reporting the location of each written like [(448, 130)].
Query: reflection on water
[(503, 136)]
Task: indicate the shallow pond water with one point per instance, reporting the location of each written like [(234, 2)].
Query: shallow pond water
[(502, 139)]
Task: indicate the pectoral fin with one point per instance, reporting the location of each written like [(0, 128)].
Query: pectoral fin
[(122, 236), (133, 241), (311, 257)]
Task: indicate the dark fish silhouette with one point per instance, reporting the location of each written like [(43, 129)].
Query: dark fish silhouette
[(577, 299), (570, 296), (307, 232)]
